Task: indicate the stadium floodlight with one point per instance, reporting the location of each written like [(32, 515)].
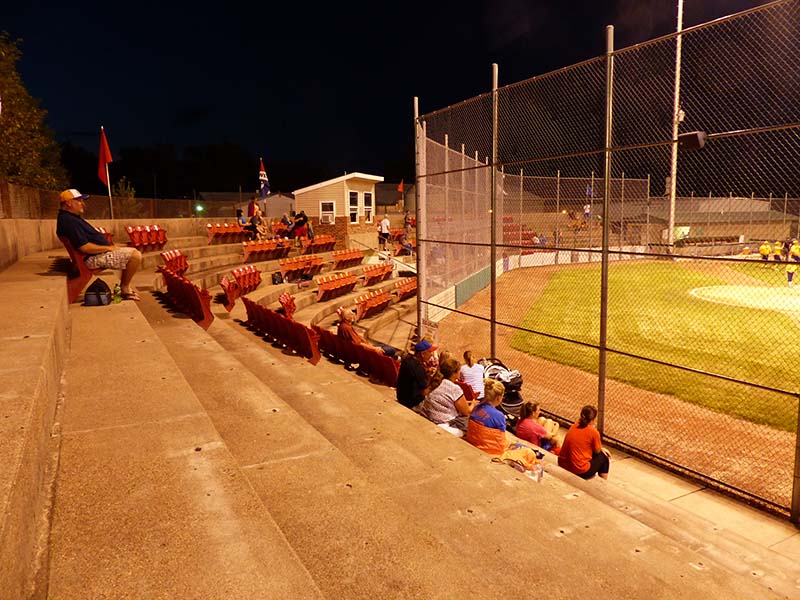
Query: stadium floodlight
[(694, 140)]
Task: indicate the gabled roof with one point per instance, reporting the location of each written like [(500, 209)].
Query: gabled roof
[(316, 186)]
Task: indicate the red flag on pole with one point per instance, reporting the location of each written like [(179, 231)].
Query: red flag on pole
[(400, 187), (105, 157)]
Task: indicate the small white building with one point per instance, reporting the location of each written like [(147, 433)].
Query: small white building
[(343, 207)]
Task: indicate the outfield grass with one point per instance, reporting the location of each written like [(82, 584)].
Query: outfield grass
[(653, 314)]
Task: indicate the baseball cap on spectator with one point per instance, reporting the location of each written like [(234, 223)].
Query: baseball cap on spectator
[(424, 345), (72, 194)]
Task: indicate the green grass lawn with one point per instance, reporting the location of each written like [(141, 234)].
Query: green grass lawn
[(652, 314)]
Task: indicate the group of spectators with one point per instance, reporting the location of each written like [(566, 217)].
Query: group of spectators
[(261, 229), (461, 400)]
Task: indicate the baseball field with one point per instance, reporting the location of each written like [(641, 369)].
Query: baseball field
[(724, 322)]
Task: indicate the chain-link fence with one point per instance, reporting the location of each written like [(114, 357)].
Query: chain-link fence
[(22, 202), (575, 227)]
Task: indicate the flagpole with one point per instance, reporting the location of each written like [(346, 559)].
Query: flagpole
[(110, 201), (108, 178)]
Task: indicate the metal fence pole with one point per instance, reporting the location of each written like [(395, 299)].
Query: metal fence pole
[(750, 224), (769, 216), (601, 370), (521, 188), (493, 211), (794, 515), (783, 225), (591, 210), (559, 220), (647, 218), (797, 235), (622, 211), (422, 286)]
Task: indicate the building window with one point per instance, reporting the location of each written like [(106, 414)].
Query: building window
[(368, 209), (354, 207), (327, 214)]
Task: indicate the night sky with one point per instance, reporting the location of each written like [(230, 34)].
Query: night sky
[(314, 88)]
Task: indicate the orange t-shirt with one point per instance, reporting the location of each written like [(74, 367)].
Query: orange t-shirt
[(580, 444)]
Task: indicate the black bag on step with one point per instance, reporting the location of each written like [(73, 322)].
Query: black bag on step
[(97, 294), (277, 278)]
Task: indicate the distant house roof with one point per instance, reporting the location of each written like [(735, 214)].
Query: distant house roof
[(316, 186)]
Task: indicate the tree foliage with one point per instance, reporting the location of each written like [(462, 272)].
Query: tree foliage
[(29, 154)]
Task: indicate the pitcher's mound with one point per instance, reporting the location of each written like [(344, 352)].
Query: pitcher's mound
[(784, 299)]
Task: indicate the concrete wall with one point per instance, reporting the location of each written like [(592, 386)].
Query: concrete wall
[(22, 237)]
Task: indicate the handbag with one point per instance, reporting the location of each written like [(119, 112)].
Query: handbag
[(97, 294)]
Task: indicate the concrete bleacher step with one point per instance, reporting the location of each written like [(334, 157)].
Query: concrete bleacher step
[(561, 535), (193, 250), (150, 502), (353, 538)]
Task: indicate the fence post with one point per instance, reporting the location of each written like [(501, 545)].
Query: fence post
[(521, 189), (591, 210), (794, 515), (493, 211), (783, 225), (621, 212), (750, 224), (419, 143), (769, 216), (647, 218), (601, 370), (557, 232)]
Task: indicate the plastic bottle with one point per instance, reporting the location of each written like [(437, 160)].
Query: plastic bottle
[(117, 294), (538, 472)]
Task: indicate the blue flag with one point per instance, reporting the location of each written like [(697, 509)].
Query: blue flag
[(263, 180)]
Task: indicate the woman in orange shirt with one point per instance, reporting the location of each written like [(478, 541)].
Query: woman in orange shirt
[(581, 452)]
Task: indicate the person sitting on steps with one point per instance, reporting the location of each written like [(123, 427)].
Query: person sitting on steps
[(102, 254)]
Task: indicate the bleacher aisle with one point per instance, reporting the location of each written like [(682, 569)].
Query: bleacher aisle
[(149, 501)]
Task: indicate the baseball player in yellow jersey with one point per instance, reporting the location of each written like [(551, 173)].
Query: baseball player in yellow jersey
[(765, 250), (794, 251), (791, 269), (776, 251)]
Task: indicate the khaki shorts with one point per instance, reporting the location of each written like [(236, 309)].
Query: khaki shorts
[(114, 259)]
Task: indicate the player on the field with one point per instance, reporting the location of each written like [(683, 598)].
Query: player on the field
[(765, 250), (776, 251), (791, 268)]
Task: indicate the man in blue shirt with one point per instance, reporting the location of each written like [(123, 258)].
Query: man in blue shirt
[(101, 254)]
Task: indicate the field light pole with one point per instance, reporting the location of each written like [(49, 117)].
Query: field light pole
[(676, 118), (601, 369)]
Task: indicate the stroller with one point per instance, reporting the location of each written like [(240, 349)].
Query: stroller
[(512, 381)]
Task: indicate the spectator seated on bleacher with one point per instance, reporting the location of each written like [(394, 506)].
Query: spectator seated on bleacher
[(412, 380), (101, 254), (486, 429), (347, 332), (582, 452), (257, 226), (406, 248), (536, 429), (445, 404), (472, 374)]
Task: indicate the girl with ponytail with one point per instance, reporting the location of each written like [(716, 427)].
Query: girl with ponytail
[(582, 453)]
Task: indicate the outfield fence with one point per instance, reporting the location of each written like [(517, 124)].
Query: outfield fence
[(598, 228)]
